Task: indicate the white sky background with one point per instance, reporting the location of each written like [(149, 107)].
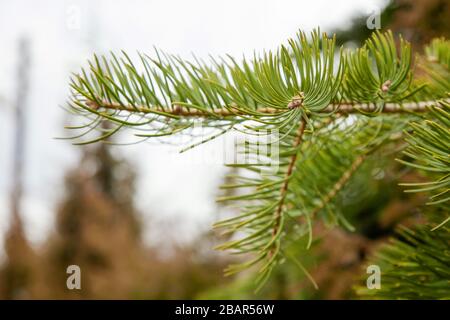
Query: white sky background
[(64, 34)]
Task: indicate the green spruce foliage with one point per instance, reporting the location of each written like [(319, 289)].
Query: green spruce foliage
[(331, 110)]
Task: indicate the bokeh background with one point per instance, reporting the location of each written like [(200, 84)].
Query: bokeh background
[(137, 219)]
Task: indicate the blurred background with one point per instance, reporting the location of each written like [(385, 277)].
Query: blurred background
[(137, 218)]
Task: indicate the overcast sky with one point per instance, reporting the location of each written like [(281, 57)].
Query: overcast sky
[(64, 34)]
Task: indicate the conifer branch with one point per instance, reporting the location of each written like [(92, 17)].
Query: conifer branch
[(290, 169), (303, 82), (339, 184), (415, 264), (428, 150)]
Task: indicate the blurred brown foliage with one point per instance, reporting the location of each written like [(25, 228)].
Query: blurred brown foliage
[(98, 229), (418, 21), (421, 20)]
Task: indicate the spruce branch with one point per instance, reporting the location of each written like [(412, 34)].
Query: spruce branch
[(414, 265), (435, 72), (331, 109), (339, 184), (428, 152)]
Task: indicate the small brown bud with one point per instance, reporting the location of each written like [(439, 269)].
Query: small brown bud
[(177, 110), (93, 105), (296, 101), (385, 86)]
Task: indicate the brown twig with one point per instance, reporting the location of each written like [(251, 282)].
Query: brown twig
[(290, 169), (343, 108)]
